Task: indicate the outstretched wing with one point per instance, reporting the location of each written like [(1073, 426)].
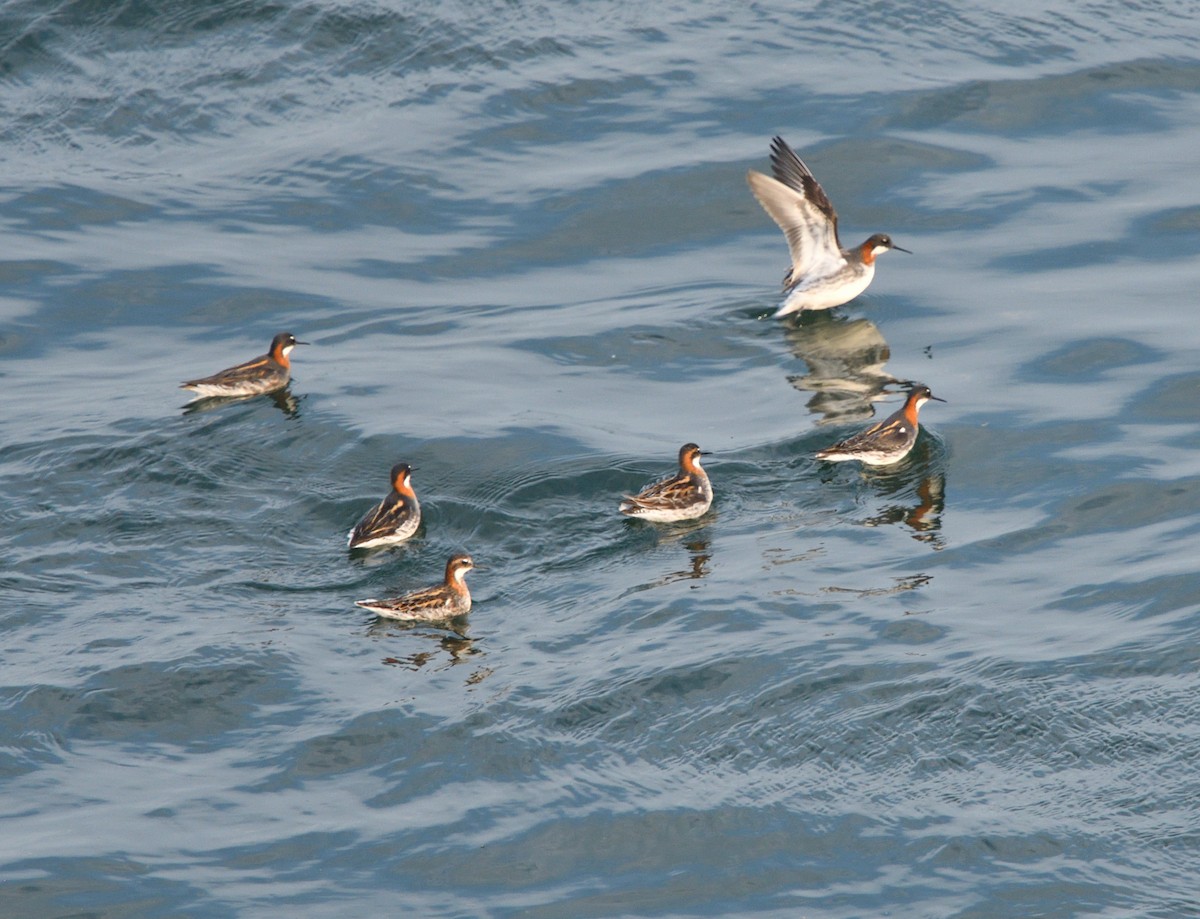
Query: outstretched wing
[(796, 201)]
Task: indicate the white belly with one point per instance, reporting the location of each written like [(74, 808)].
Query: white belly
[(826, 293)]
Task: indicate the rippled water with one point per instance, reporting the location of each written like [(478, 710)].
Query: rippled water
[(521, 243)]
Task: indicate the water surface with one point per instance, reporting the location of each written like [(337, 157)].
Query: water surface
[(520, 241)]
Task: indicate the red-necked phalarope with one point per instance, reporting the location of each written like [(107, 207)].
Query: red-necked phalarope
[(889, 440), (445, 601), (683, 496), (823, 274), (261, 375), (393, 519)]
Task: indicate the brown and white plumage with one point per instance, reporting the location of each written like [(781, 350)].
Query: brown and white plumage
[(887, 441), (264, 374), (823, 274), (445, 601), (392, 520), (683, 496)]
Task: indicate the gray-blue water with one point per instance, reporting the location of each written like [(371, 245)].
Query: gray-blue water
[(520, 240)]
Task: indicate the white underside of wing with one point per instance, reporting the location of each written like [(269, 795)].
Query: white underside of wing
[(811, 239)]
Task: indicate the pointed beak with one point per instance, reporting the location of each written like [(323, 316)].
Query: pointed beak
[(706, 452), (304, 342), (936, 398), (901, 249)]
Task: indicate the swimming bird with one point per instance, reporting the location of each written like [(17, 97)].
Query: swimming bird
[(261, 375), (393, 519), (445, 601), (823, 274), (887, 441), (683, 496)]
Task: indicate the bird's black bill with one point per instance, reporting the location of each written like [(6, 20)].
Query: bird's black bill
[(901, 249)]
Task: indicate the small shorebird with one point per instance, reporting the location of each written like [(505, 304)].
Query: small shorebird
[(261, 375), (683, 496), (393, 519), (445, 601), (823, 274), (888, 441)]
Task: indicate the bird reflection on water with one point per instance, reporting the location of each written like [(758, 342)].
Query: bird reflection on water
[(844, 360), (449, 648), (699, 552), (912, 492), (281, 398), (925, 517), (898, 586), (699, 556)]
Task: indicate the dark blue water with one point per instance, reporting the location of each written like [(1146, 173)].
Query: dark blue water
[(520, 240)]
